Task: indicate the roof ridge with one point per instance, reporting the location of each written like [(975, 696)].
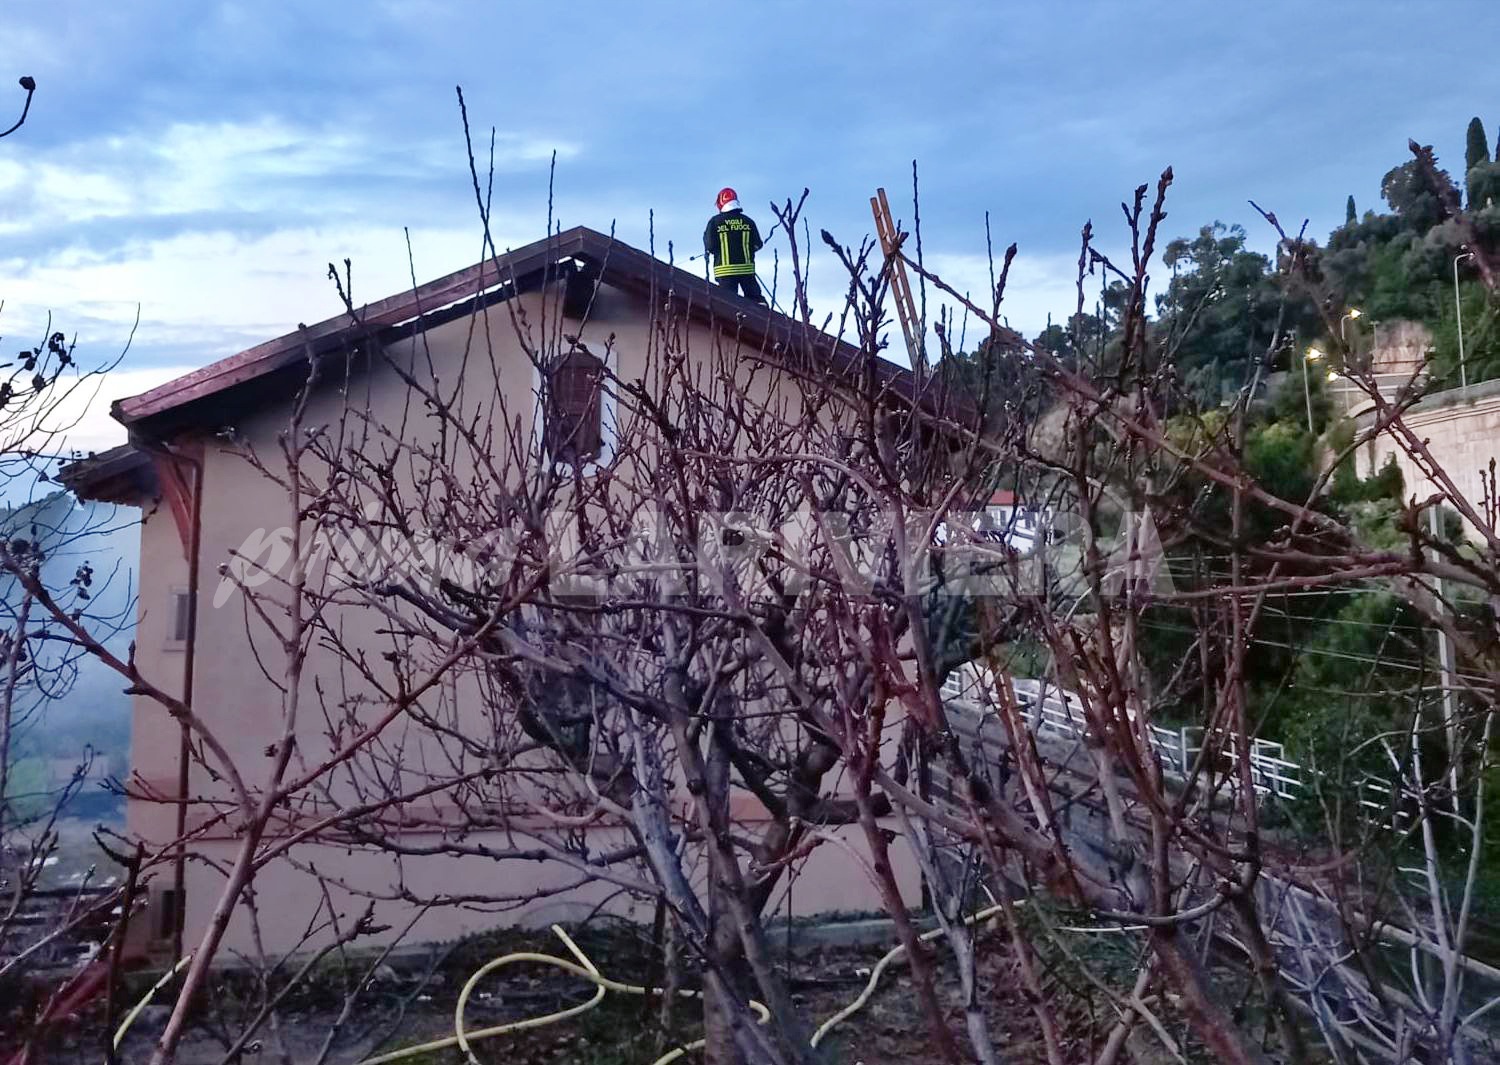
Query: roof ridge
[(623, 265)]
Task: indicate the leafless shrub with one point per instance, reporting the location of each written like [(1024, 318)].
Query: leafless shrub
[(687, 615)]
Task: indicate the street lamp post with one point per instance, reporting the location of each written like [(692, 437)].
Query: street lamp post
[(1458, 311), (1352, 312), (1342, 390), (1312, 355)]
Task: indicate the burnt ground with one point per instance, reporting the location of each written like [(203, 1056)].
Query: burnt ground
[(412, 1002), (411, 999)]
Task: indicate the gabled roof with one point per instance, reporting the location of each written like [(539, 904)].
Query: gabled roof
[(211, 395)]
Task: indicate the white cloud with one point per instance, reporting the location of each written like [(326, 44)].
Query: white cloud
[(268, 204), (209, 294), (265, 167)]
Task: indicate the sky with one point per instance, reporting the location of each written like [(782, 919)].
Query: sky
[(188, 171)]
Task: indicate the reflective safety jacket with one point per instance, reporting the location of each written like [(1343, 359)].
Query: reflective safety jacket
[(732, 239)]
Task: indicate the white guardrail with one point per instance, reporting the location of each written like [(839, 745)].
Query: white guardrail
[(1049, 709)]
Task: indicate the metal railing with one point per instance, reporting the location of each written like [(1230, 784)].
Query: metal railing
[(1048, 709)]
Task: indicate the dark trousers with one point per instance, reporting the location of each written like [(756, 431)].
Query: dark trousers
[(746, 285)]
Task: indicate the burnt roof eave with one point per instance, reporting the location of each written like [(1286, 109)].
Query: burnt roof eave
[(123, 474)]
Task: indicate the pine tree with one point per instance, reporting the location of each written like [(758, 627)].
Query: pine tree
[(1477, 150), (1349, 215)]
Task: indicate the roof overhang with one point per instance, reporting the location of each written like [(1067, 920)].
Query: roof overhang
[(123, 474)]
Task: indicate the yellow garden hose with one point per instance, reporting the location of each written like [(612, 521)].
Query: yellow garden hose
[(891, 955), (462, 1037), (584, 969), (135, 1011)]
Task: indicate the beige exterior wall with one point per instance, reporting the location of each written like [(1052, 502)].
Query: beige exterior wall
[(289, 898), (154, 737), (1399, 348), (235, 652), (1462, 433)]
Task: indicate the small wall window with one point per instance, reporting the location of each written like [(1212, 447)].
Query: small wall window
[(574, 411), (179, 617), (166, 914)]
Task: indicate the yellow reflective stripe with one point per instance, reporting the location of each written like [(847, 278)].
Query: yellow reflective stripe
[(745, 243), (734, 270), (723, 245)]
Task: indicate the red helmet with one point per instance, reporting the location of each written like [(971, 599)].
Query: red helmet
[(726, 194)]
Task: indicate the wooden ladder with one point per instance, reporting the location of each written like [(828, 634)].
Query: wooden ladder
[(890, 246)]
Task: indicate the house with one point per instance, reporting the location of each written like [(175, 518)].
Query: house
[(1006, 519), (201, 502)]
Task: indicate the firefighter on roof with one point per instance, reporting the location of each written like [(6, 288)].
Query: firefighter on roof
[(732, 240)]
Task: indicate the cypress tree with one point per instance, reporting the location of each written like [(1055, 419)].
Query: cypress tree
[(1477, 149), (1349, 216), (1476, 163)]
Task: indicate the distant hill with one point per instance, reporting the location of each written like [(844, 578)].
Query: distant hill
[(81, 704)]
